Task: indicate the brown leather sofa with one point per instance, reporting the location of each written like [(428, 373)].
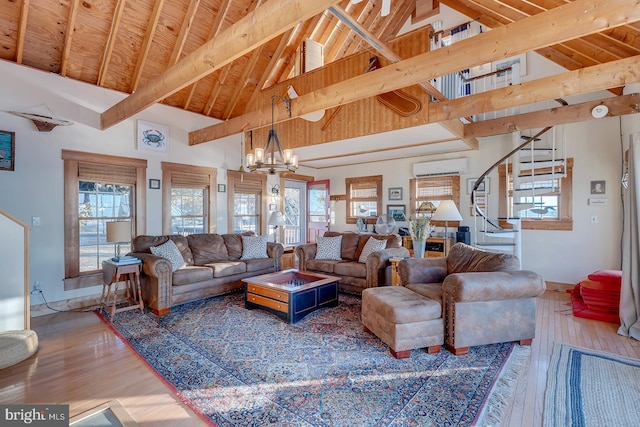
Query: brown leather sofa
[(485, 296), (212, 267), (355, 276)]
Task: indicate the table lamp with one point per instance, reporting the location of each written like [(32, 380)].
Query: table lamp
[(118, 232), (277, 220), (447, 211)]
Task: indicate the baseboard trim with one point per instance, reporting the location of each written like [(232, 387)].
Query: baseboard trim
[(85, 303)]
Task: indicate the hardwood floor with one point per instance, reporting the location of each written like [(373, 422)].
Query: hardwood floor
[(81, 362)]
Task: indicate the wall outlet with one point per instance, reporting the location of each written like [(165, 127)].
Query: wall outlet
[(594, 219), (37, 287), (35, 221)]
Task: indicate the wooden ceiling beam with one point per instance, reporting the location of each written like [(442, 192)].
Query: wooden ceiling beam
[(572, 20), (146, 45), (618, 106), (111, 42), (589, 79), (22, 30), (266, 22), (242, 82), (68, 36)]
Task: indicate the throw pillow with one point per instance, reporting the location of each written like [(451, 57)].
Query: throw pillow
[(372, 245), (329, 248), (170, 251), (254, 247)]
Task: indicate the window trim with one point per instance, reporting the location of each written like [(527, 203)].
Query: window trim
[(73, 279), (377, 179), (168, 169), (565, 219)]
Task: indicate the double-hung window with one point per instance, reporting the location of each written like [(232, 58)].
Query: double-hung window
[(245, 198), (364, 198), (98, 189), (426, 194), (188, 199)]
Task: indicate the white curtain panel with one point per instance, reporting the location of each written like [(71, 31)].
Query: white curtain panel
[(630, 291)]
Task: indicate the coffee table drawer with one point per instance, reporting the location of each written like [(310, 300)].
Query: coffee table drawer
[(266, 302), (269, 293)]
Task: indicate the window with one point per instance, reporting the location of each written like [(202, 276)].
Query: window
[(543, 204), (426, 193), (98, 189), (187, 200), (364, 197), (245, 196)]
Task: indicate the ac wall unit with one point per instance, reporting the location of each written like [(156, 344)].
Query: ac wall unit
[(441, 168)]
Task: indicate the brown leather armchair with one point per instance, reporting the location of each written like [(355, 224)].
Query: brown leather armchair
[(485, 296)]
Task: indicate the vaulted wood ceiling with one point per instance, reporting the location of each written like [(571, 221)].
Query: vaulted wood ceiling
[(127, 45)]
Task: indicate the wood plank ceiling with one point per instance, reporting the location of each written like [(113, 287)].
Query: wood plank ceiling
[(125, 44)]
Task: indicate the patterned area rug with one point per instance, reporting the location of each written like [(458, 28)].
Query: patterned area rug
[(591, 388), (249, 368)]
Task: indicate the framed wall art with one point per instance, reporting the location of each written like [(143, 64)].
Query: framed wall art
[(485, 187), (152, 136), (222, 188), (154, 184), (598, 187), (397, 212), (395, 193), (7, 150)]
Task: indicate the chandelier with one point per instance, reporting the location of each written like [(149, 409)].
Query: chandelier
[(272, 158)]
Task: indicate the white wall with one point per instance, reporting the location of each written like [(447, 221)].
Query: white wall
[(35, 188)]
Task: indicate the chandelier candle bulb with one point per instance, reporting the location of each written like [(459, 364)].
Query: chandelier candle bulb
[(259, 155), (294, 161), (250, 159), (287, 156)]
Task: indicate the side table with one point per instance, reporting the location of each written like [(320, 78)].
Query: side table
[(113, 274), (395, 277)]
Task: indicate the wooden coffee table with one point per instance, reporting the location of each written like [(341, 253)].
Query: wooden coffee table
[(291, 294)]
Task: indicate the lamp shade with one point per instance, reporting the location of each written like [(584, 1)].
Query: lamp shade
[(276, 218), (447, 211), (118, 231)]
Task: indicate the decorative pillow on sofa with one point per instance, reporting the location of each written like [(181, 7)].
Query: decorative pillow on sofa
[(170, 251), (372, 245), (329, 248), (254, 247)]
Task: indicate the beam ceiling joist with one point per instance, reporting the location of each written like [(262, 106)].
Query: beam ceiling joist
[(618, 106), (22, 30), (266, 22), (567, 22)]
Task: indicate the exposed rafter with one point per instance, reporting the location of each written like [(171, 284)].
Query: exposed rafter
[(68, 36), (618, 106), (268, 21), (146, 44), (184, 31), (111, 41), (572, 20), (22, 28)]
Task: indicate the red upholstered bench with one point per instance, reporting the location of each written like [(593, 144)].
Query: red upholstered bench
[(598, 296)]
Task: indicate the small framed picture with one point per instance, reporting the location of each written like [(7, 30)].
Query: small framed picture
[(272, 206), (7, 150), (152, 136), (397, 212), (154, 184), (395, 193), (222, 188), (484, 187), (598, 187)]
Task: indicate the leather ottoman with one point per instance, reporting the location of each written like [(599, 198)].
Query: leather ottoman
[(403, 319)]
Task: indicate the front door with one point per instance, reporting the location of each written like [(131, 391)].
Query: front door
[(317, 209)]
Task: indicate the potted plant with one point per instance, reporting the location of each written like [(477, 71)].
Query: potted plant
[(420, 229)]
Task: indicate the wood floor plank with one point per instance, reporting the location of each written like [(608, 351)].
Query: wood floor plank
[(81, 362)]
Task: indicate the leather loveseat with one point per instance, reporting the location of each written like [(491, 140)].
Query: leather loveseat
[(485, 297), (211, 264), (355, 275)]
